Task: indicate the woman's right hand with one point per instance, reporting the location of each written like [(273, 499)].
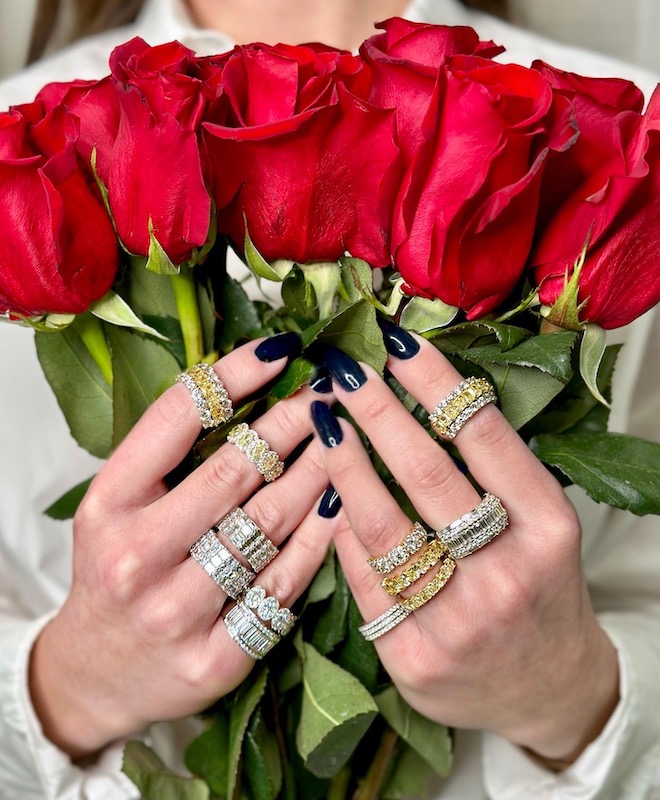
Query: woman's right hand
[(140, 637)]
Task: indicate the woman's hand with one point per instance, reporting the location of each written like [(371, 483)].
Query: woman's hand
[(511, 643), (140, 637)]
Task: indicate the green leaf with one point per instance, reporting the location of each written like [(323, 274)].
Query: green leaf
[(409, 778), (170, 327), (357, 280), (298, 298), (470, 334), (208, 755), (157, 259), (142, 370), (324, 276), (277, 271), (240, 319), (155, 781), (330, 628), (149, 294), (428, 738), (115, 310), (549, 353), (422, 314), (262, 763), (336, 713), (67, 505), (356, 654), (81, 390), (245, 702), (297, 373), (592, 350), (357, 333), (622, 471), (523, 392)]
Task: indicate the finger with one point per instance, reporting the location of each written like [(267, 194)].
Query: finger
[(228, 478), (167, 430), (496, 456), (426, 472)]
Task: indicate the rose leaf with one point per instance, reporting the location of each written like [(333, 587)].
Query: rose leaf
[(155, 781)]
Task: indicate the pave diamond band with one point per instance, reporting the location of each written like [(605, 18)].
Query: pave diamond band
[(476, 528), (257, 451), (398, 555), (460, 405), (214, 558), (247, 538), (213, 404), (251, 635), (384, 623), (394, 584)]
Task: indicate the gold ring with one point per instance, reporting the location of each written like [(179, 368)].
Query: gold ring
[(210, 396), (398, 555), (460, 405), (397, 583), (432, 588), (257, 451)]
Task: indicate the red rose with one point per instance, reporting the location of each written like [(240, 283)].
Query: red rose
[(405, 61), (143, 121), (611, 182), (59, 251), (298, 151), (466, 214)]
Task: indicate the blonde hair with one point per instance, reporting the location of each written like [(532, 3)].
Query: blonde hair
[(92, 16)]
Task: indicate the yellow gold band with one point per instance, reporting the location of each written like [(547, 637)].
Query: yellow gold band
[(429, 558)]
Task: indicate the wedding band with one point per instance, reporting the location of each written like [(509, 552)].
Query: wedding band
[(257, 451), (398, 555), (214, 558), (384, 623), (248, 632), (397, 583), (432, 588), (476, 528), (247, 538), (210, 396), (268, 609), (460, 405)]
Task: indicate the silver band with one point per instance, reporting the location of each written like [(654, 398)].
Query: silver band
[(248, 632), (398, 555), (257, 451), (268, 609), (476, 528), (384, 623), (247, 538), (214, 558)]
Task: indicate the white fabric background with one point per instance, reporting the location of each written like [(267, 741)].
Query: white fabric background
[(627, 29)]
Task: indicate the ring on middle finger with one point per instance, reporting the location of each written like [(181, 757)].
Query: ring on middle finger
[(248, 538)]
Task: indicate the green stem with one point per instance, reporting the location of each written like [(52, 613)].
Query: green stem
[(185, 296), (370, 788), (93, 337), (339, 785)]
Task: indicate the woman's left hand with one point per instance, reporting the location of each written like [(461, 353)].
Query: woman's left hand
[(511, 644)]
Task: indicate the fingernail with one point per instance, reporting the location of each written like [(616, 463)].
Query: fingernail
[(398, 342), (344, 369), (330, 503), (279, 346), (321, 381), (326, 424)]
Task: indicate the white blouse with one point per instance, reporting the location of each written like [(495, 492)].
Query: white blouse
[(39, 461)]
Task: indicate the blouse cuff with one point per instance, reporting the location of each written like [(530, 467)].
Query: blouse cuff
[(627, 750), (32, 767)]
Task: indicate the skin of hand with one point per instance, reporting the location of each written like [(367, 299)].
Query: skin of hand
[(140, 638), (511, 644)]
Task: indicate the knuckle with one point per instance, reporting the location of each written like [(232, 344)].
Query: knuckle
[(288, 420), (376, 530), (270, 516), (162, 620), (491, 429), (173, 408), (122, 575), (282, 585), (515, 596), (429, 474), (377, 413), (224, 471)]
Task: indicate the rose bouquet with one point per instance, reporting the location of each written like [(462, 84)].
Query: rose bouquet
[(509, 214)]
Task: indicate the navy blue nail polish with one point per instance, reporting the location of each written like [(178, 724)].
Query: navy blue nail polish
[(326, 424), (321, 381), (278, 346), (344, 369), (398, 342), (330, 503)]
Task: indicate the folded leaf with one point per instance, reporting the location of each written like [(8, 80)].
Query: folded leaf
[(155, 781)]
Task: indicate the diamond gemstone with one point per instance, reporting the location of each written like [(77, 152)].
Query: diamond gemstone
[(254, 596), (268, 608)]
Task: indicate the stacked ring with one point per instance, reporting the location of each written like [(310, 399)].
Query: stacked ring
[(247, 538), (384, 623), (460, 405), (421, 598), (214, 558), (398, 555), (210, 396), (257, 451), (476, 528), (245, 622), (432, 555)]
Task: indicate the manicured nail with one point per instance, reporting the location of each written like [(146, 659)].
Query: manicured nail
[(398, 342), (279, 346), (321, 381), (344, 369), (330, 503), (326, 424)]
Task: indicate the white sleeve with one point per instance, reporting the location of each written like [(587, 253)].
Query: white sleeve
[(622, 565)]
